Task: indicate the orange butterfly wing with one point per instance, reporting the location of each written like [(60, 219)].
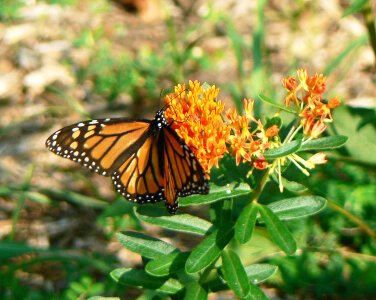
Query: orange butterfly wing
[(147, 160), (100, 145), (184, 175)]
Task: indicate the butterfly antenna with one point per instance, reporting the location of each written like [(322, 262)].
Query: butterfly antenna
[(169, 105)]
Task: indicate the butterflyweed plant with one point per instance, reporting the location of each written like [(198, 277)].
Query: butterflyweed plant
[(227, 142)]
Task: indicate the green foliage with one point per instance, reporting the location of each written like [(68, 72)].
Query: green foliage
[(9, 9), (246, 223), (234, 273), (284, 150), (275, 104), (85, 287), (355, 6)]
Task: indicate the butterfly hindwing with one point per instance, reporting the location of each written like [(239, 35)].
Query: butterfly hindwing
[(140, 178), (184, 175)]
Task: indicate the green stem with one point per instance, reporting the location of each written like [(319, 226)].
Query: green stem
[(353, 219), (16, 215), (370, 24), (21, 201), (292, 131), (263, 181)]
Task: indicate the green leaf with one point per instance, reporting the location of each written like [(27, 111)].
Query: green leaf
[(217, 193), (139, 278), (297, 207), (256, 294), (291, 186), (144, 245), (10, 249), (258, 273), (361, 146), (216, 284), (355, 6), (325, 143), (5, 191), (167, 264), (76, 198), (275, 104), (273, 121), (246, 223), (334, 63), (259, 247), (103, 298), (234, 273), (77, 287), (152, 295), (180, 222), (284, 150), (195, 292), (221, 214), (37, 197), (208, 250), (119, 207), (278, 231)]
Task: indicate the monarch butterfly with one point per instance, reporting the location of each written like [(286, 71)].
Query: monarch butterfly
[(146, 159)]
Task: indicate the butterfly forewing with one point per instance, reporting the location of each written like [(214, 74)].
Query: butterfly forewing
[(100, 145)]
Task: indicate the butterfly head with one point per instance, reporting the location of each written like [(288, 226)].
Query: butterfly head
[(160, 118)]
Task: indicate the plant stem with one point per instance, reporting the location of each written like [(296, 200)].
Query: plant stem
[(353, 218), (264, 179), (370, 24), (292, 132), (343, 251), (21, 201)]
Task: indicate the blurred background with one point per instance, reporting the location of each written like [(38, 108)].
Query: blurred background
[(63, 61)]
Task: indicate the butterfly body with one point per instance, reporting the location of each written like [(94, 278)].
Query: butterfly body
[(146, 159)]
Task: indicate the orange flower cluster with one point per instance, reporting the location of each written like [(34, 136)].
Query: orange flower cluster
[(313, 112), (245, 144), (197, 119)]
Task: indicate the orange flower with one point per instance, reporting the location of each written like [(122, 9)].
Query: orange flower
[(316, 83), (317, 128), (313, 112), (302, 75), (197, 120), (245, 144), (318, 159), (260, 164), (307, 124), (248, 108), (289, 83), (334, 102), (238, 145), (272, 131)]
